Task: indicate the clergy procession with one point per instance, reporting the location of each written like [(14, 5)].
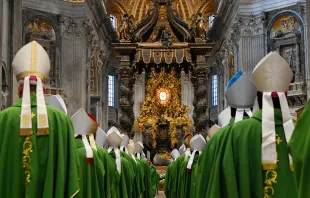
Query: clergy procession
[(44, 153), (252, 152)]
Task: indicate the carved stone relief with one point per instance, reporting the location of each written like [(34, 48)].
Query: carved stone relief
[(76, 27)]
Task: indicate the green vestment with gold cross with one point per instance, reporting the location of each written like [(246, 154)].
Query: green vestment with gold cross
[(37, 166), (244, 174)]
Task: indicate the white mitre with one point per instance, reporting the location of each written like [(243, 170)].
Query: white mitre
[(131, 147), (224, 117), (182, 149), (273, 75), (197, 144), (125, 140), (240, 94), (213, 130), (57, 102), (31, 60), (175, 154), (114, 137), (31, 64), (139, 147), (101, 138), (83, 125)]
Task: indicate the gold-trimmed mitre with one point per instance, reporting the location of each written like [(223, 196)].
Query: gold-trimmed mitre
[(31, 60)]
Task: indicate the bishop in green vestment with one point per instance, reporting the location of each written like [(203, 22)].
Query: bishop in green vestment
[(299, 147), (172, 179), (38, 156), (124, 167), (188, 179), (240, 94), (257, 158), (91, 167)]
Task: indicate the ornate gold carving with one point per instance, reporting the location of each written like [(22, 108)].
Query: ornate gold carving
[(27, 146), (151, 111)]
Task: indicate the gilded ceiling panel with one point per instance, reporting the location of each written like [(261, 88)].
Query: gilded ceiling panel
[(185, 8)]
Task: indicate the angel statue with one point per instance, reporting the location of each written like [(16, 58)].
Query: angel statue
[(198, 26), (164, 36), (126, 28)]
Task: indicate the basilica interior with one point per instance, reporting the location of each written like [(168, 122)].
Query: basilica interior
[(156, 69)]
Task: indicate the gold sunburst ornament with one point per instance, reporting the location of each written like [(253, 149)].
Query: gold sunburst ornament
[(163, 102), (163, 96)]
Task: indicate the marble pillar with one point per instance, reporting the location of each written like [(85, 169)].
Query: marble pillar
[(251, 51), (246, 41), (199, 80), (74, 71), (139, 93), (187, 93), (16, 39), (251, 46), (126, 116)]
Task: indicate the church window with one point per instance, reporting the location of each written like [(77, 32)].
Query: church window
[(113, 21), (214, 91), (111, 91), (211, 20)]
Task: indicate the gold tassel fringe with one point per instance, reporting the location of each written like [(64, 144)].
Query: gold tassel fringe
[(43, 132), (25, 132)]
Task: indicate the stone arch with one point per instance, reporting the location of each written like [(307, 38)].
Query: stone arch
[(45, 32), (286, 35)]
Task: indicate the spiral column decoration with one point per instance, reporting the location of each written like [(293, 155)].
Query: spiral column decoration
[(126, 102), (199, 80)]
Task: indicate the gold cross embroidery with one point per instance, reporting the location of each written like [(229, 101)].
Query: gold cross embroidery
[(278, 139), (32, 115)]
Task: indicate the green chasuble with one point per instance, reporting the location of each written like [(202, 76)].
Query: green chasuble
[(299, 146), (147, 178), (50, 162), (111, 177), (154, 179), (124, 188), (168, 179), (92, 174), (242, 165), (207, 161), (187, 179), (135, 187), (174, 173), (183, 181)]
